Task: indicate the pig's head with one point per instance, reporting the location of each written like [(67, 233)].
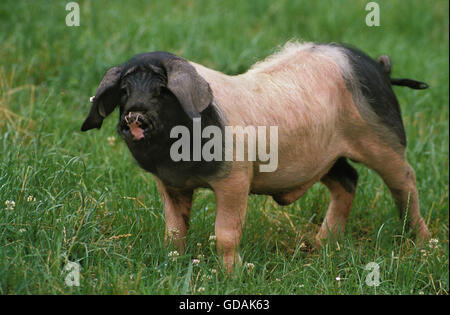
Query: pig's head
[(154, 92)]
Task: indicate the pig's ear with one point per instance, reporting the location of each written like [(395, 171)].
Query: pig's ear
[(105, 100), (191, 90)]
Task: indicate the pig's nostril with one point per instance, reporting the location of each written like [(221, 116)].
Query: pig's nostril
[(140, 119)]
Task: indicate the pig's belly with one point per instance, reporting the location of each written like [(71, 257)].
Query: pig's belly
[(294, 172)]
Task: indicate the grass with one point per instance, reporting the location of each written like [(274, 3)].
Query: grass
[(91, 204)]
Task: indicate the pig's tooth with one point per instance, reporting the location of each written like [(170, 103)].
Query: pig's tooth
[(128, 117), (139, 118)]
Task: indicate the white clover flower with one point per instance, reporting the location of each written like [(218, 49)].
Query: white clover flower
[(10, 204), (173, 254), (31, 198), (212, 239), (338, 279), (424, 252), (195, 261), (199, 244), (249, 266), (213, 271), (201, 289), (111, 140), (433, 243)]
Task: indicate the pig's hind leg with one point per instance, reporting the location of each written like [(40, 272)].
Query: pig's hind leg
[(341, 181)]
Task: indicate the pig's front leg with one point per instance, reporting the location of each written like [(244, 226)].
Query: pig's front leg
[(231, 198), (177, 209)]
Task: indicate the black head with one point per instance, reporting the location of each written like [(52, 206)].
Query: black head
[(154, 92)]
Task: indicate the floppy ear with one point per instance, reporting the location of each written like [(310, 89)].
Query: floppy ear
[(191, 90), (105, 100)]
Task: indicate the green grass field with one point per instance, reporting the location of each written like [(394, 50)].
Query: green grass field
[(82, 198)]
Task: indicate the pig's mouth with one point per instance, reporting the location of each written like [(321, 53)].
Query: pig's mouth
[(136, 126)]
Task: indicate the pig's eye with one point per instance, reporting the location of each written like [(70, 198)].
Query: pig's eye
[(123, 94), (157, 91), (124, 89)]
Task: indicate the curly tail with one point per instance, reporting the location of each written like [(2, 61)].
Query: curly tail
[(387, 68)]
